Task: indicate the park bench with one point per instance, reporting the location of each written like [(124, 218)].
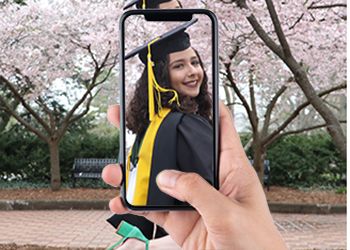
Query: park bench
[(266, 173), (89, 168)]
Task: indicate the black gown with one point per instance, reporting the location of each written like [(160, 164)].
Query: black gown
[(184, 142)]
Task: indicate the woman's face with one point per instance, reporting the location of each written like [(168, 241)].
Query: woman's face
[(185, 72), (173, 4)]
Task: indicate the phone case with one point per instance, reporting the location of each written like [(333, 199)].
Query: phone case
[(169, 101)]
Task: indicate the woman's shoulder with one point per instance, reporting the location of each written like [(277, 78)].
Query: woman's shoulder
[(189, 122), (195, 120)]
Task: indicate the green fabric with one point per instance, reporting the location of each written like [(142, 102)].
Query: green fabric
[(127, 231), (136, 149)]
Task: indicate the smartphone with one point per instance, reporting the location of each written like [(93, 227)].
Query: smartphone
[(169, 101)]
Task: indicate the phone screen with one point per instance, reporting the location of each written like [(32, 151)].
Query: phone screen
[(169, 102)]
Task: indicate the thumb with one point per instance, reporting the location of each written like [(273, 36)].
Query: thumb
[(192, 188)]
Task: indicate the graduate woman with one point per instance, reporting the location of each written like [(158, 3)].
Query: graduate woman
[(171, 115), (154, 4)]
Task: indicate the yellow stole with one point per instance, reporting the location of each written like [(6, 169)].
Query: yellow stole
[(145, 160)]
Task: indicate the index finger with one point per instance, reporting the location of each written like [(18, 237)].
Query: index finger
[(112, 174), (113, 115)]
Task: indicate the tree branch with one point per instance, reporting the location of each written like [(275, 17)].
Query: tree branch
[(278, 28), (298, 131), (22, 121), (88, 48), (48, 112), (264, 36), (248, 144), (109, 70), (87, 108), (235, 88), (327, 6), (69, 115), (92, 56), (296, 22), (332, 105), (233, 103), (93, 84), (259, 29), (24, 103), (68, 119), (255, 124), (268, 140), (313, 6), (269, 109)]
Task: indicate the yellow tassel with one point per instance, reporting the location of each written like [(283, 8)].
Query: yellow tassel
[(144, 4), (152, 83)]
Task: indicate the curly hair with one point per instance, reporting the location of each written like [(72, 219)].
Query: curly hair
[(180, 4), (137, 111)]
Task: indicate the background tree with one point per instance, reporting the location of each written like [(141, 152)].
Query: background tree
[(53, 59), (299, 68), (274, 79)]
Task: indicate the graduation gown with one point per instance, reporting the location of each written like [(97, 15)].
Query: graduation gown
[(182, 142)]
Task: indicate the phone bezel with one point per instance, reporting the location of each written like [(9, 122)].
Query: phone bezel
[(215, 94)]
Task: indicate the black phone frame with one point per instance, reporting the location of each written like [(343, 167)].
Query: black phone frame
[(168, 15)]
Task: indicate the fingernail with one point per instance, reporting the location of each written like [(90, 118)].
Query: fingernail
[(168, 178)]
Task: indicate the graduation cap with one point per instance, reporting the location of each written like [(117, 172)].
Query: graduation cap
[(157, 49), (172, 41), (145, 4)]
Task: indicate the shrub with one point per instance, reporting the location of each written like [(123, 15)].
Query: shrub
[(24, 157), (297, 160), (306, 161)]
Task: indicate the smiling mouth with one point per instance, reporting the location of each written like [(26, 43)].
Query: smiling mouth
[(191, 84)]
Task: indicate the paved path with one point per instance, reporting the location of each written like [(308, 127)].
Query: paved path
[(89, 229), (310, 231)]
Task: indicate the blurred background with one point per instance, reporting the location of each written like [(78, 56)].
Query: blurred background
[(285, 82)]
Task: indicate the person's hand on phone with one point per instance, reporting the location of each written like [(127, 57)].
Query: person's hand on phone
[(234, 217)]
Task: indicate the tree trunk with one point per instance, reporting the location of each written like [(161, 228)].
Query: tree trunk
[(258, 158), (55, 165), (333, 125), (229, 98)]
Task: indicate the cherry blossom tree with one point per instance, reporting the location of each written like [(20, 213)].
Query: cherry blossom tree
[(54, 58), (282, 59)]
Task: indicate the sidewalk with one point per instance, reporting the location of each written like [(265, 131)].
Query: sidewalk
[(82, 229), (311, 231)]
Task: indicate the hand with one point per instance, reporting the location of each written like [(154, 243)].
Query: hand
[(158, 244), (234, 217), (132, 244)]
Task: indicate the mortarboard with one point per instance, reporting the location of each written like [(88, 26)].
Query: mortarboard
[(145, 4), (158, 48), (172, 41)]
